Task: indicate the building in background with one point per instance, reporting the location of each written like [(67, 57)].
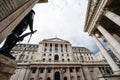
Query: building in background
[(103, 22), (100, 57), (57, 59)]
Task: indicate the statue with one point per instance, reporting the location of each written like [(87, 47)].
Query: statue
[(15, 35)]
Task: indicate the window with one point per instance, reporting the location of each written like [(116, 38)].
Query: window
[(45, 49), (71, 70), (41, 70), (40, 78), (56, 57), (27, 57), (61, 45), (48, 78), (77, 69), (56, 47), (43, 59), (31, 57), (66, 45), (78, 77), (67, 54), (49, 70), (62, 54), (31, 78), (63, 60), (65, 78), (49, 59), (45, 44), (33, 70), (68, 59), (50, 45), (44, 54), (50, 54), (89, 58), (92, 58)]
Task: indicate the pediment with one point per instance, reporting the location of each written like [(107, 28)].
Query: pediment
[(55, 40)]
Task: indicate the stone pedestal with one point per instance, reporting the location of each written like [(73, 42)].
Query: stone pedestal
[(7, 67)]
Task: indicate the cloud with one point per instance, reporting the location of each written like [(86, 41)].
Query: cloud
[(64, 19)]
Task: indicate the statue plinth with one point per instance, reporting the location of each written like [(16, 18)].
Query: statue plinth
[(7, 67)]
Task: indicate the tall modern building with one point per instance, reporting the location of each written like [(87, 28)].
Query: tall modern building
[(57, 59), (103, 22)]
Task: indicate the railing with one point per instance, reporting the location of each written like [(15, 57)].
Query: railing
[(60, 62)]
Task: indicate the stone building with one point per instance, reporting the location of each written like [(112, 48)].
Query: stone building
[(103, 22), (57, 59)]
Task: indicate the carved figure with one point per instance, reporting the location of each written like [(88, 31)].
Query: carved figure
[(15, 35)]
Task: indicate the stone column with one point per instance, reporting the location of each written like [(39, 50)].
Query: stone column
[(45, 76), (113, 17), (87, 73), (61, 74), (27, 74), (48, 47), (75, 74), (37, 74), (101, 68), (82, 74), (68, 74), (110, 61), (114, 43), (113, 50), (52, 76)]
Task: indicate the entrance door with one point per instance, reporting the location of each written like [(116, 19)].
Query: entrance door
[(57, 76)]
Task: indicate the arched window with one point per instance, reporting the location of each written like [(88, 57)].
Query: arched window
[(40, 78), (68, 59), (56, 57), (43, 59), (65, 78), (57, 76), (31, 78), (48, 78), (63, 60), (78, 77)]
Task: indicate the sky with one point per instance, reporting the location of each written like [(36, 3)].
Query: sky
[(64, 19)]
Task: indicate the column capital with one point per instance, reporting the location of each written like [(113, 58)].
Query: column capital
[(104, 11)]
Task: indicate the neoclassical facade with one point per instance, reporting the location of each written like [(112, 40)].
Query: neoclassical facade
[(57, 59), (103, 23)]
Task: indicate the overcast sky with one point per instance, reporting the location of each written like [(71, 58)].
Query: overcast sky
[(64, 19)]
